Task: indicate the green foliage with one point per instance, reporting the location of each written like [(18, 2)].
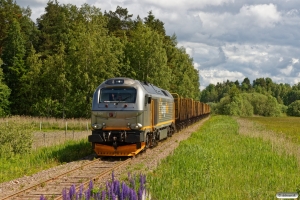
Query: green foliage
[(10, 12), (294, 109), (292, 96), (264, 105), (147, 56), (15, 139), (236, 106), (14, 66), (53, 68), (4, 95), (247, 104), (119, 22)]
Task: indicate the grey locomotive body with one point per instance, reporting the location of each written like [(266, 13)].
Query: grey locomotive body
[(129, 115)]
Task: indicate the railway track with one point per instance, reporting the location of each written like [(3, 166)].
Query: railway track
[(52, 187)]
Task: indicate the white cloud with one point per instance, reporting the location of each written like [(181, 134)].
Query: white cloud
[(179, 4), (295, 60), (214, 76), (287, 71), (264, 15)]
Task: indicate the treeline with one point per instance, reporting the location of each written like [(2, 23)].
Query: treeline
[(52, 67), (263, 97)]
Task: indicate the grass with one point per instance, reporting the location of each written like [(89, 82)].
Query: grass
[(48, 124), (41, 159), (286, 126), (217, 162)]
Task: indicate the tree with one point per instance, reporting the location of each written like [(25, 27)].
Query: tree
[(246, 85), (93, 57), (209, 94), (54, 27), (147, 56), (155, 24), (234, 104), (264, 105), (294, 109), (4, 95), (14, 66), (33, 89), (292, 96), (119, 22)]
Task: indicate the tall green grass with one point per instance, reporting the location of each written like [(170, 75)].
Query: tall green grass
[(20, 165), (218, 163), (287, 126), (47, 123)]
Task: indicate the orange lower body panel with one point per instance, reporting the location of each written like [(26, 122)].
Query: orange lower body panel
[(128, 150)]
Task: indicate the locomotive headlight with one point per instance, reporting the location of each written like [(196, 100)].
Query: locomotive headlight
[(96, 126), (136, 126)]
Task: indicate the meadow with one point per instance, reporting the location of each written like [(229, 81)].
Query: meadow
[(47, 123), (288, 127), (223, 161), (23, 150), (227, 158)]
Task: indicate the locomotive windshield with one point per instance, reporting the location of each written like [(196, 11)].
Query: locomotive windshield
[(127, 95)]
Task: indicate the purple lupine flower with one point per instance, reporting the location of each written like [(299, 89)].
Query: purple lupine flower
[(112, 176), (132, 182), (124, 191), (42, 197), (119, 193), (116, 187), (132, 195), (65, 194), (91, 185), (140, 194), (108, 188), (72, 192), (113, 196), (97, 196), (111, 190), (103, 195), (118, 190), (142, 186), (87, 194), (80, 194)]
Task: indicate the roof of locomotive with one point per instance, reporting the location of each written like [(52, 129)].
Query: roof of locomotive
[(149, 88)]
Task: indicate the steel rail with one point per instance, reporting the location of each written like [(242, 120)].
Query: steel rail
[(48, 180), (106, 172)]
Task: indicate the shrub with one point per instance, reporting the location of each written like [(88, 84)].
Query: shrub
[(236, 106), (264, 105), (15, 139), (294, 109)]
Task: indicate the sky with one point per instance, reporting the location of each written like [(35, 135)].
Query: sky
[(227, 39)]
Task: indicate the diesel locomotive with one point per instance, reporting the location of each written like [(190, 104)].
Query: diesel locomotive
[(129, 116)]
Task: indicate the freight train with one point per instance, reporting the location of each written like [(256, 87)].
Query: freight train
[(129, 116)]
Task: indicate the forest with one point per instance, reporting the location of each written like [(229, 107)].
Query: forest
[(263, 97), (51, 67)]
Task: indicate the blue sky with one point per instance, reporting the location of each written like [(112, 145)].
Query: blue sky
[(227, 39)]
